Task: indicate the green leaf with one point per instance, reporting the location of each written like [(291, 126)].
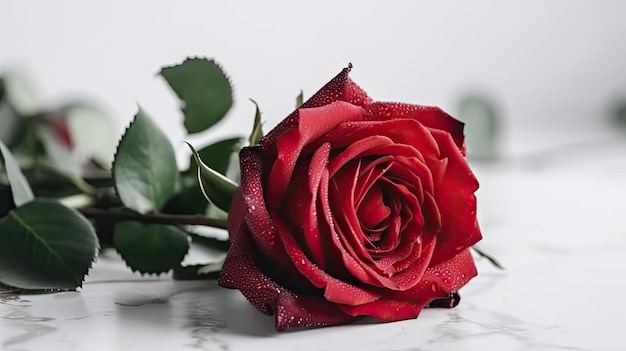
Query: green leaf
[(218, 156), (6, 200), (216, 187), (145, 171), (257, 128), (5, 289), (153, 248), (210, 242), (48, 182), (45, 245), (299, 99), (489, 258), (199, 271), (22, 192), (204, 90), (222, 157)]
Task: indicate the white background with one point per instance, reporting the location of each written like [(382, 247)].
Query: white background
[(554, 68)]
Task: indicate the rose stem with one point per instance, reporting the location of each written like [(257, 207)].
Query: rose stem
[(160, 218)]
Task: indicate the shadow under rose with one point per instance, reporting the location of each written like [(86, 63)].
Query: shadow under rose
[(226, 311)]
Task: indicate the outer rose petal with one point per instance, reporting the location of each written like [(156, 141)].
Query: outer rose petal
[(340, 88), (441, 280), (259, 222), (240, 271), (312, 123), (437, 289), (260, 225), (429, 116), (388, 310), (456, 202), (236, 213)]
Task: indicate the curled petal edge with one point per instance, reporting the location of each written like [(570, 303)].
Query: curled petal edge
[(240, 271)]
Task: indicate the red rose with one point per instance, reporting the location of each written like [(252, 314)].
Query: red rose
[(351, 208)]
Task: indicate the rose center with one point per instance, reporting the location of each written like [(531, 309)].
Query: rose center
[(373, 213)]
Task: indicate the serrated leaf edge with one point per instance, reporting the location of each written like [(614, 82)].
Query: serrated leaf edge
[(91, 262), (153, 273)]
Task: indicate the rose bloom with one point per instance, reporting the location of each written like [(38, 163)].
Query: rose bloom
[(351, 207)]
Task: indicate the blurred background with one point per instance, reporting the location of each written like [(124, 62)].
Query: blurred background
[(531, 76)]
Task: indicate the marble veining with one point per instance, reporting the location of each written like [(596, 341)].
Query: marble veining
[(204, 326)]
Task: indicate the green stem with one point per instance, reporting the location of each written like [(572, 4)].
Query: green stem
[(117, 215), (488, 257)]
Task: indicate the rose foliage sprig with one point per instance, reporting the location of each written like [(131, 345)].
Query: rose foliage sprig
[(58, 207), (369, 253)]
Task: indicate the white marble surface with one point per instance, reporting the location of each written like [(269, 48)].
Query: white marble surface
[(559, 227)]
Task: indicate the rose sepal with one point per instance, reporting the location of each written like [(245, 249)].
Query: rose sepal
[(215, 187), (257, 128)]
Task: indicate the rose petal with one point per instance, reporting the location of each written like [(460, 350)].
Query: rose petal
[(340, 88), (405, 203), (372, 146), (240, 271), (257, 217), (410, 277), (343, 209), (334, 288), (412, 174), (355, 150), (236, 213), (388, 310), (391, 237), (356, 259), (347, 262), (312, 234), (456, 202), (369, 173), (401, 131), (313, 122), (429, 116), (372, 210), (255, 211), (355, 267), (441, 280), (430, 211)]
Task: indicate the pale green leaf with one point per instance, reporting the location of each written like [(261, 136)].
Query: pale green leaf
[(91, 131), (22, 192)]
